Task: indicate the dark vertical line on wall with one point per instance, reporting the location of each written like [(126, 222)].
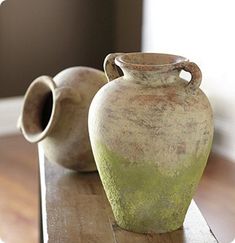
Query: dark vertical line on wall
[(128, 25)]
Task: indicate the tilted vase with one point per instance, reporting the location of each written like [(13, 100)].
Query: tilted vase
[(151, 133), (55, 113)]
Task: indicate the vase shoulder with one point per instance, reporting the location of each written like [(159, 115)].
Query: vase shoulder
[(152, 121)]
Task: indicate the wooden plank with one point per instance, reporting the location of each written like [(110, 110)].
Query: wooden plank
[(75, 209), (73, 206)]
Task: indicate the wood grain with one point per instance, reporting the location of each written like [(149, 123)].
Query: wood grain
[(75, 209), (216, 197), (18, 191)]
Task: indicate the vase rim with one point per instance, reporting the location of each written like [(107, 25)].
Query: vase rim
[(35, 93), (148, 61)]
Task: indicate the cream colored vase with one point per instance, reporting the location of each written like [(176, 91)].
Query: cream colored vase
[(55, 113), (151, 133)]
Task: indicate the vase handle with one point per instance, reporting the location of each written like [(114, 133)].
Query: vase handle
[(110, 68), (194, 70)]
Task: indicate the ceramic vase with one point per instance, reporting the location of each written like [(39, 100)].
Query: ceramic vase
[(55, 114), (151, 133)]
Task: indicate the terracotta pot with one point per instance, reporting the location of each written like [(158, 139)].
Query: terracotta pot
[(55, 113), (151, 133)]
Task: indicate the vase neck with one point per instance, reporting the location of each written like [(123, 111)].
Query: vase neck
[(151, 78), (150, 68)]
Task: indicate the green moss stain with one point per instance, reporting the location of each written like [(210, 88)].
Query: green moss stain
[(142, 198)]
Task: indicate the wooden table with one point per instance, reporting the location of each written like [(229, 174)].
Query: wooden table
[(75, 210)]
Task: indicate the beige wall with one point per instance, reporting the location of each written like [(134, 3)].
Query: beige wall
[(44, 37)]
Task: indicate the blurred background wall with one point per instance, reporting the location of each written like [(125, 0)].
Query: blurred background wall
[(45, 37), (203, 32)]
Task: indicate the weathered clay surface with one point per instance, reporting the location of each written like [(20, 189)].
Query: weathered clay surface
[(151, 134), (55, 113)]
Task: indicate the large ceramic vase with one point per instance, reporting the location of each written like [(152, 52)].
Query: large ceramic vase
[(55, 114), (151, 133)]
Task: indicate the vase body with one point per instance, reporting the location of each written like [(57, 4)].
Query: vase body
[(151, 134), (55, 114)]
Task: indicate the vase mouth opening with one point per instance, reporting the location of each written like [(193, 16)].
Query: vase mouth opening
[(148, 61), (38, 109)]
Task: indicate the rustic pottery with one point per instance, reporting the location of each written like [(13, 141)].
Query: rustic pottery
[(55, 113), (151, 133)]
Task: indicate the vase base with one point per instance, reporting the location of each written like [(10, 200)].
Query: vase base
[(156, 231)]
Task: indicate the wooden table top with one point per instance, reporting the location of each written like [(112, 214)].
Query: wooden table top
[(76, 210)]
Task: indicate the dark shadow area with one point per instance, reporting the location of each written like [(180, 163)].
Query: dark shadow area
[(46, 110)]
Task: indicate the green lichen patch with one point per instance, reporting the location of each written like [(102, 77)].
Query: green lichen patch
[(143, 199)]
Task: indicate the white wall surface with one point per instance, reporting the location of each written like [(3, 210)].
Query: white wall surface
[(204, 32)]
